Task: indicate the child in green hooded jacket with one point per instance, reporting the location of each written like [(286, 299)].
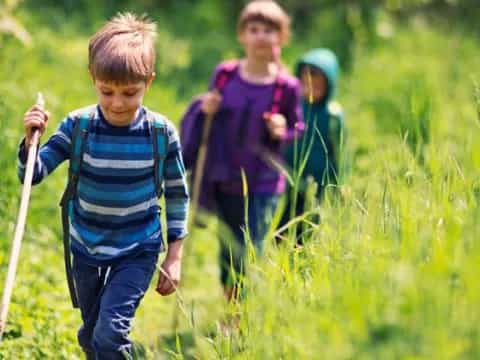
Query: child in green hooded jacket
[(317, 154)]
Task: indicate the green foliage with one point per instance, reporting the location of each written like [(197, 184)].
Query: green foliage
[(408, 114), (9, 25)]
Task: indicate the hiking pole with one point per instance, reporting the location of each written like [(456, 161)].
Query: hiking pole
[(22, 215), (200, 165)]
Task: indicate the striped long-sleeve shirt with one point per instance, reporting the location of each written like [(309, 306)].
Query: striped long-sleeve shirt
[(116, 210)]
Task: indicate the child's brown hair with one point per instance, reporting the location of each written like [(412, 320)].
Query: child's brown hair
[(269, 12), (123, 50)]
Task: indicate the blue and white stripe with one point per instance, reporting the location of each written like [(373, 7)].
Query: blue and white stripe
[(116, 209)]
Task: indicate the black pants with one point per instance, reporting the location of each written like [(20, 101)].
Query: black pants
[(231, 211), (301, 228)]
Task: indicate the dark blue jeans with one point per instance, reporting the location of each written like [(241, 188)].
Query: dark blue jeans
[(108, 298), (231, 211)]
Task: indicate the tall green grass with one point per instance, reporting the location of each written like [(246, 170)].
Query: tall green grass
[(390, 272)]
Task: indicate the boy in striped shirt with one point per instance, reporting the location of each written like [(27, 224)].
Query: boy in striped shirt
[(114, 228)]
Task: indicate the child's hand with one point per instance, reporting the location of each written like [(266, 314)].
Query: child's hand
[(211, 102), (169, 277), (35, 118), (171, 269), (276, 125)]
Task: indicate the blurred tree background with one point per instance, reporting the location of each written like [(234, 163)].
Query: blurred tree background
[(203, 31)]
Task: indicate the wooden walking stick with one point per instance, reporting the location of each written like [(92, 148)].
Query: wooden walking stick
[(220, 82), (200, 165), (197, 184), (19, 229)]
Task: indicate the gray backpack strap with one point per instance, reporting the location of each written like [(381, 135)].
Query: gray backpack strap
[(158, 130), (79, 137)]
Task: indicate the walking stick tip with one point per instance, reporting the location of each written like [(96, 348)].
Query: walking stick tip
[(40, 100)]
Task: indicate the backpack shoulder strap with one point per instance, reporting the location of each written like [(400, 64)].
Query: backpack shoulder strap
[(158, 132), (278, 93), (225, 72), (79, 136)]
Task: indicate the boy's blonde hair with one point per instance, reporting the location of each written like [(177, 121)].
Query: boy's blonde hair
[(269, 12), (123, 50)]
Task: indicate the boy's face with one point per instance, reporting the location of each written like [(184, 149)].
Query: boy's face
[(314, 84), (259, 39), (120, 102)]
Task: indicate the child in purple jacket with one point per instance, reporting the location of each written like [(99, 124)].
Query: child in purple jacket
[(257, 110)]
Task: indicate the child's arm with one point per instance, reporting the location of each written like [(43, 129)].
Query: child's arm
[(176, 207), (56, 150), (288, 126), (171, 269), (176, 190), (192, 122), (191, 129)]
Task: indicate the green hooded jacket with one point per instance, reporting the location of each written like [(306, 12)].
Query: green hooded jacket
[(322, 142)]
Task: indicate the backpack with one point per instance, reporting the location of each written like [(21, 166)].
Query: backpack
[(158, 126)]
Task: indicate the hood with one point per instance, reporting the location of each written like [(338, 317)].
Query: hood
[(325, 61)]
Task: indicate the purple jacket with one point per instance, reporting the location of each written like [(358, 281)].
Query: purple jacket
[(239, 137)]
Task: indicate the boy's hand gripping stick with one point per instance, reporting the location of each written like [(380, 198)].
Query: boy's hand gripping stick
[(19, 229)]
